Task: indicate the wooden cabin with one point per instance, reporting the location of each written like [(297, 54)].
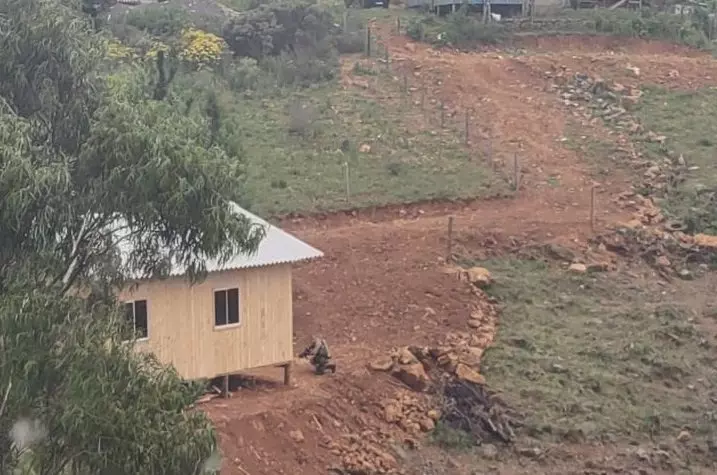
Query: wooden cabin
[(240, 317)]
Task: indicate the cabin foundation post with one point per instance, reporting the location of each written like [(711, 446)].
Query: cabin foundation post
[(225, 387), (287, 373)]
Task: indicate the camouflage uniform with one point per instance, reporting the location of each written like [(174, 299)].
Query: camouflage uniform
[(318, 350)]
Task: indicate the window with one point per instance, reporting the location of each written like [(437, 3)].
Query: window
[(136, 313), (226, 307)]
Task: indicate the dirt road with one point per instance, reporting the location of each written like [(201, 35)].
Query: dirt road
[(381, 285)]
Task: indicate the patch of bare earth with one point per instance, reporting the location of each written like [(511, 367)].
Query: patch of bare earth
[(382, 283)]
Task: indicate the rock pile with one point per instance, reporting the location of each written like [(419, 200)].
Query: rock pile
[(410, 413), (361, 454), (667, 249)]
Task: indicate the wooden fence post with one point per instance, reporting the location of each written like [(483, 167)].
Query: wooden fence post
[(449, 251), (348, 181), (368, 41), (592, 208)]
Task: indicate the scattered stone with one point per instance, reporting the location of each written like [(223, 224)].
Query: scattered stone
[(706, 240), (384, 364), (434, 414), (365, 148), (532, 452), (559, 252), (642, 454), (427, 424), (684, 436), (297, 436), (479, 276), (391, 413), (662, 261), (466, 373), (634, 70), (414, 376), (598, 267), (685, 274), (473, 323), (578, 268), (489, 451), (406, 357)]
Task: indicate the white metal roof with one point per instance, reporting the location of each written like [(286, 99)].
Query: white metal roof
[(277, 247)]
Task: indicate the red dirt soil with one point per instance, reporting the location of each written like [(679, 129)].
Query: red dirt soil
[(380, 284)]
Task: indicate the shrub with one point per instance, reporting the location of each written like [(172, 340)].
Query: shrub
[(200, 49), (243, 74), (301, 118), (351, 42), (159, 20), (272, 29), (305, 66)]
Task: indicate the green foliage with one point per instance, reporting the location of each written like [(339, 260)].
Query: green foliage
[(451, 438), (159, 20), (93, 405), (91, 166), (272, 29)]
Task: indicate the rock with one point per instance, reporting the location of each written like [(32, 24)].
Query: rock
[(473, 323), (642, 454), (391, 413), (578, 268), (427, 424), (634, 70), (662, 261), (685, 274), (406, 357), (479, 276), (466, 373), (598, 267), (414, 376), (488, 451), (365, 148), (434, 414), (684, 436), (559, 252), (532, 452), (384, 364), (706, 240), (297, 436)]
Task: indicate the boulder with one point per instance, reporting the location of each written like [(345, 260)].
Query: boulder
[(297, 436), (426, 424), (466, 373), (578, 268), (384, 364), (478, 276), (414, 376), (406, 357), (391, 413)]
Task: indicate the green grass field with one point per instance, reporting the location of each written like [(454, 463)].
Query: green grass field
[(298, 143), (601, 357), (689, 121)]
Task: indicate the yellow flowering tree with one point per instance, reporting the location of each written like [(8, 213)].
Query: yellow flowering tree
[(200, 48)]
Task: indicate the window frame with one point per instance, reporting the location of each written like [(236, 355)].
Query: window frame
[(134, 317), (227, 326)]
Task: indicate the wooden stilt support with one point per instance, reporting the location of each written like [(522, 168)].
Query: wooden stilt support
[(287, 373), (225, 387)]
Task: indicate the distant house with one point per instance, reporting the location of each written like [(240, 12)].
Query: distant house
[(239, 317)]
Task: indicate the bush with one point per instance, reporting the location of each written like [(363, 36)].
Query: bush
[(243, 74), (273, 29), (352, 42), (305, 66), (159, 20)]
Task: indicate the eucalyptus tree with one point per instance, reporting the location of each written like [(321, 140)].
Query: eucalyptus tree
[(90, 164)]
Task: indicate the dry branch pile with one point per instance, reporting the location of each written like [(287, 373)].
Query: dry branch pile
[(471, 408)]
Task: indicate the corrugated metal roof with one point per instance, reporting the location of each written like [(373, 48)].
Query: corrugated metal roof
[(277, 247)]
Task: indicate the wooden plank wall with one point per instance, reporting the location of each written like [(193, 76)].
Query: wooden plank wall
[(181, 322)]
